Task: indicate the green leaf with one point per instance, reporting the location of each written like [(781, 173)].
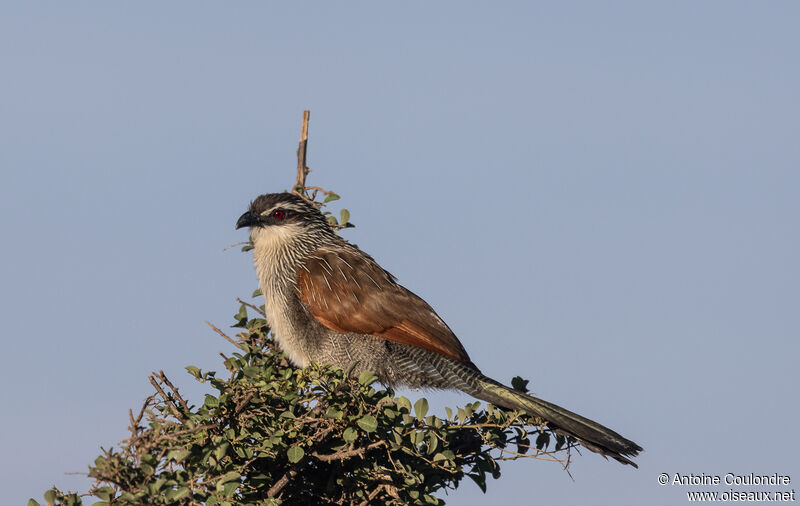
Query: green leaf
[(421, 407), (331, 197), (403, 402), (178, 455), (344, 215), (251, 371), (433, 443), (479, 479), (542, 440), (294, 454), (221, 450), (229, 488), (334, 413), (519, 384), (257, 292), (368, 423), (181, 493), (104, 493), (523, 443), (231, 476), (50, 496), (350, 435), (31, 502), (241, 317), (367, 378)]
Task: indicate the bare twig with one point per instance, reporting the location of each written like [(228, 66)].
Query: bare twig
[(278, 486), (240, 243), (243, 403), (174, 390), (302, 168), (223, 334), (347, 454), (167, 399), (196, 429), (318, 189), (385, 485), (251, 306), (134, 426), (300, 189)]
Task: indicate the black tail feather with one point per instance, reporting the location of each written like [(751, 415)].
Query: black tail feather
[(588, 433), (424, 368)]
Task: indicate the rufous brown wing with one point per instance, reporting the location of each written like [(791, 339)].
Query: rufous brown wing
[(366, 299)]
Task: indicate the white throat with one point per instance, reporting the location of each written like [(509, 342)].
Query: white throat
[(274, 256)]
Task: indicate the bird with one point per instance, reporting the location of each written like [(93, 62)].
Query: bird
[(329, 302)]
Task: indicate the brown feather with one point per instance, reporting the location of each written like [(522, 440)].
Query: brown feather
[(347, 291)]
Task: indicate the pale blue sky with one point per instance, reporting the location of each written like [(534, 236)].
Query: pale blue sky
[(602, 198)]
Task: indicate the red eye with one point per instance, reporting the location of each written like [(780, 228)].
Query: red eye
[(278, 215)]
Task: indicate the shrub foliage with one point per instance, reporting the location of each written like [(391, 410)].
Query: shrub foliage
[(269, 433)]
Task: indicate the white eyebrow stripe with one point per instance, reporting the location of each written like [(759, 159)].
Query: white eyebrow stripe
[(288, 206)]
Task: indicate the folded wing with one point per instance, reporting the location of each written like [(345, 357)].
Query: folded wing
[(347, 291)]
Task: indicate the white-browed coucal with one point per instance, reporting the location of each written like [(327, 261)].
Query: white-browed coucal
[(327, 301)]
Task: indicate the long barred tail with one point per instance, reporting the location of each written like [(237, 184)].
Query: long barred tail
[(425, 368), (589, 433)]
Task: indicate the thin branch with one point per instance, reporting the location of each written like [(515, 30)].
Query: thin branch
[(145, 405), (347, 454), (196, 429), (318, 189), (539, 455), (223, 334), (167, 400), (251, 306), (386, 485), (302, 168), (240, 243), (243, 403), (174, 390), (278, 486)]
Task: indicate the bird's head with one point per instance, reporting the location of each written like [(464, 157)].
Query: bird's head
[(281, 219)]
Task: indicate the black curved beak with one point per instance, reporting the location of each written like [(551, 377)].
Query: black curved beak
[(246, 220)]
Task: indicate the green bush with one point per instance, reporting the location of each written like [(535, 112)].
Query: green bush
[(274, 434)]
